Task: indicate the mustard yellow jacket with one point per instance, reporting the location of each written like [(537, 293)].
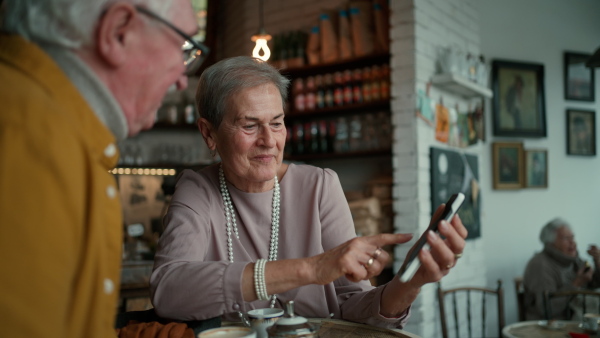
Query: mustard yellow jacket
[(60, 215)]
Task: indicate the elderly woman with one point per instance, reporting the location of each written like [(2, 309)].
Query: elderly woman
[(253, 232), (558, 267)]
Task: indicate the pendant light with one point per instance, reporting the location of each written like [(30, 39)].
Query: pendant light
[(261, 38)]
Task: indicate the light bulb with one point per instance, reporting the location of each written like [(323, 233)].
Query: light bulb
[(261, 44)]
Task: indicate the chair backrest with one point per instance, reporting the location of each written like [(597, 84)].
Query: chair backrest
[(565, 304), (520, 292), (473, 296)]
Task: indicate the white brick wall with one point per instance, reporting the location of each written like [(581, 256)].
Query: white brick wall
[(419, 29)]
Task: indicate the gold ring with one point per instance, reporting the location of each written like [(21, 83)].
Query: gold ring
[(370, 261), (449, 266), (376, 253), (458, 255)]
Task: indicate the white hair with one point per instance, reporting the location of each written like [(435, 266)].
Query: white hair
[(548, 233), (67, 23)]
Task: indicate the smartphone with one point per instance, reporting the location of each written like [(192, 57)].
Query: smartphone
[(412, 263)]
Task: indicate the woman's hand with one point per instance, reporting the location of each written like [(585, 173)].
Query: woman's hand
[(358, 259), (443, 253), (435, 264)]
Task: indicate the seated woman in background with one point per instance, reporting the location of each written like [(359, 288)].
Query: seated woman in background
[(253, 232), (557, 267)]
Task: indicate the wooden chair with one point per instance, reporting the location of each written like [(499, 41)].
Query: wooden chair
[(520, 292), (474, 295), (564, 301)]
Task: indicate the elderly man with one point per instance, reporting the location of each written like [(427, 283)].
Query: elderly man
[(75, 77), (557, 267)]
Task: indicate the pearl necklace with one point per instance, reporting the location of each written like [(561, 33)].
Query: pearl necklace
[(232, 225)]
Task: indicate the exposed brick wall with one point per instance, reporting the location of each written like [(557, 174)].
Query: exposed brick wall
[(418, 29)]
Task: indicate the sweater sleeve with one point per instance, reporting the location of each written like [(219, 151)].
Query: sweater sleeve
[(187, 283), (359, 302)]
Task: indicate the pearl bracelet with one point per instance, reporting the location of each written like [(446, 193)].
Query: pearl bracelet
[(260, 286)]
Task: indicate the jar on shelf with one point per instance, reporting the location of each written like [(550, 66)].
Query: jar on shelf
[(298, 94)]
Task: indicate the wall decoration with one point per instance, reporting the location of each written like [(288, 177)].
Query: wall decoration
[(442, 127), (579, 80), (507, 165), (536, 168), (452, 172), (581, 132), (518, 103)]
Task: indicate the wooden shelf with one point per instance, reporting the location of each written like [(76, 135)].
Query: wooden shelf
[(341, 65), (374, 106), (168, 126), (460, 86), (328, 156)]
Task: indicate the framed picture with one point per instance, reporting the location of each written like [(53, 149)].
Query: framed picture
[(581, 132), (579, 80), (455, 171), (507, 163), (536, 168), (518, 103)]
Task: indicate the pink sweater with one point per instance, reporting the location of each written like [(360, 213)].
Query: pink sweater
[(193, 278)]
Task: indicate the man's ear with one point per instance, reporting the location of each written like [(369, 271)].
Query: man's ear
[(115, 32), (208, 133)]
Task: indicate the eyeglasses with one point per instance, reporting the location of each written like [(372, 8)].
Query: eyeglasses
[(194, 51)]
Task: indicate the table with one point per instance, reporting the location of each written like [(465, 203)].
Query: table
[(336, 328), (538, 329)]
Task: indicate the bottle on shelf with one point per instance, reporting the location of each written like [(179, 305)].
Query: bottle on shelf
[(357, 78), (355, 136), (341, 135), (324, 144), (298, 94), (338, 89), (307, 138), (376, 83), (328, 84), (320, 97), (347, 80), (298, 138), (366, 84), (310, 93), (385, 82), (314, 137)]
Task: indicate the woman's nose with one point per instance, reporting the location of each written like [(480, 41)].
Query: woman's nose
[(266, 137)]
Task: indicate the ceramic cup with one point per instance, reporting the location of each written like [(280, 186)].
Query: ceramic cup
[(262, 319), (228, 332), (590, 322)]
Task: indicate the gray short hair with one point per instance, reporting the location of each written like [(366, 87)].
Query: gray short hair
[(548, 233), (220, 81), (66, 23)]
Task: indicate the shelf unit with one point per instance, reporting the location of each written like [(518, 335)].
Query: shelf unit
[(461, 86), (294, 117)]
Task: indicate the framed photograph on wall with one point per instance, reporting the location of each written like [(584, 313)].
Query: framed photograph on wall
[(581, 132), (454, 171), (579, 80), (536, 168), (507, 165), (519, 101)]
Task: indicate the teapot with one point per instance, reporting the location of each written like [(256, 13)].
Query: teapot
[(292, 326)]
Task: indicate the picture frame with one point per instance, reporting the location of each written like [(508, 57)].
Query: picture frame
[(581, 132), (519, 99), (578, 79), (508, 166), (536, 168)]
